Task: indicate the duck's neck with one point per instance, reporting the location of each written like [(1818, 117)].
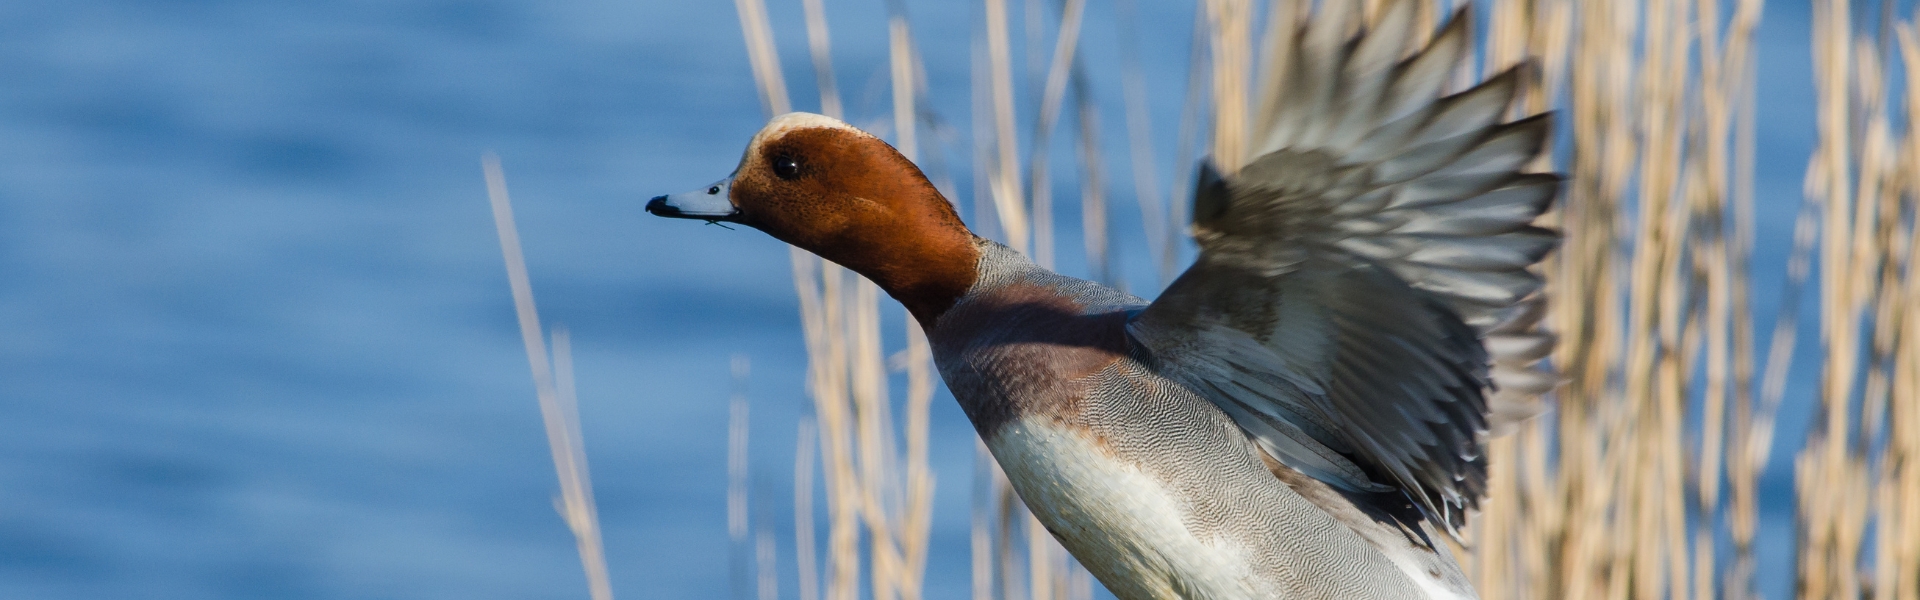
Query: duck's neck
[(926, 262)]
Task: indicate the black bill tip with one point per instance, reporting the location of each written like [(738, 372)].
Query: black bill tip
[(658, 207)]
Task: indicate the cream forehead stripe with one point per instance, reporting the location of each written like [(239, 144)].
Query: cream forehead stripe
[(780, 126)]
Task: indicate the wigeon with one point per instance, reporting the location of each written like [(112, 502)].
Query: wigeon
[(1304, 410)]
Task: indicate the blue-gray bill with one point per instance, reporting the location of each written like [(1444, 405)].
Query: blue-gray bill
[(711, 204)]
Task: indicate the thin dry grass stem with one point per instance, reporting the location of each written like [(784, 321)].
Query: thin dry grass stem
[(1052, 99), (819, 285), (1232, 46), (558, 405), (1004, 171), (1727, 94), (1040, 561), (1047, 573), (980, 534), (980, 117), (1854, 475), (763, 56), (1193, 115), (1654, 326), (913, 515), (576, 502), (766, 561), (987, 567), (1510, 533), (1823, 466), (1154, 216), (1899, 534), (737, 475), (868, 375), (980, 527), (1093, 198), (820, 47), (813, 280), (1715, 268), (805, 541), (868, 486), (1588, 268), (900, 66), (1007, 517)]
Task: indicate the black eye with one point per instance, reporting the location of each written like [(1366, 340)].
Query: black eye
[(787, 167), (713, 190)]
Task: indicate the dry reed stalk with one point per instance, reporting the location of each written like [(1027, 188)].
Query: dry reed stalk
[(1548, 35), (1040, 560), (1500, 532), (1004, 172), (804, 540), (980, 536), (766, 562), (820, 48), (1093, 198), (763, 56), (1493, 532), (576, 497), (986, 145), (1899, 567), (558, 405), (1052, 99), (867, 484), (1285, 18), (1723, 64), (872, 428), (1855, 477), (1232, 46), (1006, 521), (1822, 466), (900, 69), (1193, 114), (824, 364), (1743, 470), (1883, 244), (1162, 236), (1600, 85), (737, 478), (913, 516), (819, 285), (1047, 573), (983, 544), (1652, 474)]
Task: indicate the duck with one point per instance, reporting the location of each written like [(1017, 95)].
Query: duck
[(1303, 412)]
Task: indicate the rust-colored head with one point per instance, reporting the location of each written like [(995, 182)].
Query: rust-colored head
[(845, 195)]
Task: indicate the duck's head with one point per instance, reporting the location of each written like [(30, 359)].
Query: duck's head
[(845, 195)]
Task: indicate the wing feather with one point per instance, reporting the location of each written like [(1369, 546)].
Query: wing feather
[(1364, 284)]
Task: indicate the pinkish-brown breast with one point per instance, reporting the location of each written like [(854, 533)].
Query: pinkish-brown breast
[(1024, 349)]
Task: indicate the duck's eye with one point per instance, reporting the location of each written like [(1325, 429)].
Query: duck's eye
[(787, 167), (713, 190)]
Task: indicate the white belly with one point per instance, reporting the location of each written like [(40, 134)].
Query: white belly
[(1120, 522)]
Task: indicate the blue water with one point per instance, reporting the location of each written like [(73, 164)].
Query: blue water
[(258, 341)]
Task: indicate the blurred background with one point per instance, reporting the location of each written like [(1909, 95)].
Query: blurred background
[(259, 342)]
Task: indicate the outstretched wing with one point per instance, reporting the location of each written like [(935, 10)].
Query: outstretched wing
[(1364, 282)]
